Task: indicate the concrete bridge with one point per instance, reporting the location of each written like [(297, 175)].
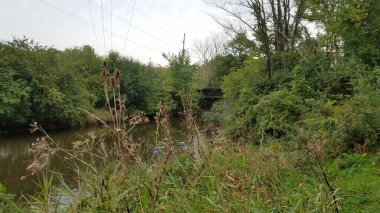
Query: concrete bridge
[(210, 96), (212, 93)]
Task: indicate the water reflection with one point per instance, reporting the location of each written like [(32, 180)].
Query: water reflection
[(14, 157)]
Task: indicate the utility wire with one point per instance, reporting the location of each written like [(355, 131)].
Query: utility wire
[(154, 22), (99, 27), (104, 35), (152, 5), (129, 26), (93, 24)]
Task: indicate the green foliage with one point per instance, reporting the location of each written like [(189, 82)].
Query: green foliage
[(44, 84), (234, 178), (314, 77), (359, 121), (358, 176), (181, 80), (257, 110), (211, 73), (277, 113), (361, 29), (239, 48), (246, 83), (351, 125), (273, 116), (48, 86), (7, 202), (182, 71), (223, 66), (14, 100), (136, 81)]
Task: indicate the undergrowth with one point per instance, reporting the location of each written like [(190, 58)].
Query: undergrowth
[(238, 178)]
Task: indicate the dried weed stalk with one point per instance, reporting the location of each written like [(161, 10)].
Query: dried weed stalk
[(193, 140)]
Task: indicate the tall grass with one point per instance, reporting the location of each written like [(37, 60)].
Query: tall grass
[(116, 176)]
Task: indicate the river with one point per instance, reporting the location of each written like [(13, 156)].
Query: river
[(14, 157)]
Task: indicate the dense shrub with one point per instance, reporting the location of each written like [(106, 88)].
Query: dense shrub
[(277, 113), (273, 116), (359, 121)]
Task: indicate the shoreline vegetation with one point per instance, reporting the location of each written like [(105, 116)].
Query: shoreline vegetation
[(85, 122), (298, 129)]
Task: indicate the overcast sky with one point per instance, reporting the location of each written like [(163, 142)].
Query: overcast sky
[(157, 25)]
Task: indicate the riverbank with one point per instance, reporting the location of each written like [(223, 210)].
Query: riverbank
[(85, 122), (231, 178)]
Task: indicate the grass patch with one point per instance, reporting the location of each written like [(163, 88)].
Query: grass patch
[(232, 178), (358, 177)]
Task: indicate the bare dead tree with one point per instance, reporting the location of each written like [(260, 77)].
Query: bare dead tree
[(209, 47), (274, 24)]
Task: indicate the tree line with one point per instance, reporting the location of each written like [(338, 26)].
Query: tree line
[(50, 86)]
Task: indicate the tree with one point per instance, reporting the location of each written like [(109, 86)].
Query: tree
[(134, 81), (182, 71), (325, 14), (274, 24), (14, 100), (210, 47), (44, 84), (360, 30)]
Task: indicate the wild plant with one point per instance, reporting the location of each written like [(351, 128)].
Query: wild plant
[(193, 140)]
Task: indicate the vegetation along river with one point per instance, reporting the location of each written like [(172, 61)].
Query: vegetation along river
[(14, 156)]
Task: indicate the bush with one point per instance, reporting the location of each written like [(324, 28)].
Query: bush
[(274, 116), (359, 122), (277, 113)]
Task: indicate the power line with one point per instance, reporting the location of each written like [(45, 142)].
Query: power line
[(156, 11), (154, 22), (104, 35), (129, 26), (99, 27), (93, 24)]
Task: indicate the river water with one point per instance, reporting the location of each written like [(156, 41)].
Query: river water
[(14, 157)]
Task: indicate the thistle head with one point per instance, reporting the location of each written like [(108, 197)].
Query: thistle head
[(123, 109), (104, 72), (117, 74), (113, 82)]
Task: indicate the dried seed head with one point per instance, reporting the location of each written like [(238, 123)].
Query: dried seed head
[(123, 109), (105, 64), (113, 82), (117, 74), (113, 111), (104, 72)]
